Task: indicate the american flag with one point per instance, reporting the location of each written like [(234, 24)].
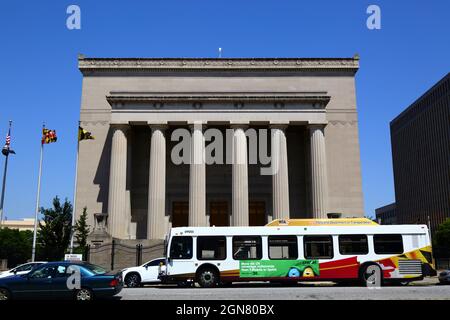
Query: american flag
[(8, 140), (6, 149)]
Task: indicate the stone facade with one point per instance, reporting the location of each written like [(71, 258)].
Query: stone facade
[(133, 106)]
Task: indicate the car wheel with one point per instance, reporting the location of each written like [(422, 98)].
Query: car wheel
[(207, 278), (84, 294), (4, 294), (368, 275), (133, 280)]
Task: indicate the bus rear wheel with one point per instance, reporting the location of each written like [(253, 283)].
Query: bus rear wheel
[(207, 278), (371, 275)]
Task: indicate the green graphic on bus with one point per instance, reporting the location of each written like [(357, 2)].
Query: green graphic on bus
[(278, 268)]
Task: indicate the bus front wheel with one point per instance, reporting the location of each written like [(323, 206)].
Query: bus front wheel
[(207, 278)]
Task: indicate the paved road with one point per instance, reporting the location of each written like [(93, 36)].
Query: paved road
[(324, 291)]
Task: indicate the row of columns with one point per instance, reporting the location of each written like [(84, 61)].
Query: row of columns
[(118, 215)]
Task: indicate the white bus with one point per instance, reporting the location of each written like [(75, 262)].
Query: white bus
[(298, 250)]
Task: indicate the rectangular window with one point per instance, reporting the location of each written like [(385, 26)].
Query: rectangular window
[(247, 248), (283, 247), (211, 248), (388, 243), (181, 247), (318, 247), (351, 244)]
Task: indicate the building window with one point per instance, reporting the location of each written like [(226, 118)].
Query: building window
[(181, 248), (318, 247), (283, 247), (247, 248), (351, 244), (388, 243), (211, 248)]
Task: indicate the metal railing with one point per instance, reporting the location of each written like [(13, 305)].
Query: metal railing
[(116, 255)]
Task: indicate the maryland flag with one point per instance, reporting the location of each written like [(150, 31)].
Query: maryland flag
[(48, 136), (84, 135)]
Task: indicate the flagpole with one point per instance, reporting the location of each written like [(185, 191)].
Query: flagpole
[(33, 252), (4, 180), (75, 191), (3, 191)]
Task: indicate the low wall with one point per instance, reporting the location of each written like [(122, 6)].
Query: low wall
[(120, 254)]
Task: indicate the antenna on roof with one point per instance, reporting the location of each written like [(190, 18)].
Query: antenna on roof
[(220, 53)]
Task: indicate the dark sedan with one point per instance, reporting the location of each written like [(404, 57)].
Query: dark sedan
[(72, 280), (444, 277)]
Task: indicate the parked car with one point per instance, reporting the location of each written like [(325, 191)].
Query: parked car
[(146, 273), (444, 277), (51, 280), (21, 269)]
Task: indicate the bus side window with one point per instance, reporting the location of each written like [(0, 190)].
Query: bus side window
[(388, 243), (247, 248), (181, 248), (318, 247), (283, 247), (352, 244), (211, 248)]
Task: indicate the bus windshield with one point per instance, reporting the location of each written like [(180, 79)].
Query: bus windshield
[(181, 247)]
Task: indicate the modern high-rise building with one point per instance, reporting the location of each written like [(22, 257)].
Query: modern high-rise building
[(386, 214), (420, 138), (137, 175)]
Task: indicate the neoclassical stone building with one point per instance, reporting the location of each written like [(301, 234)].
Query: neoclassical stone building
[(133, 106)]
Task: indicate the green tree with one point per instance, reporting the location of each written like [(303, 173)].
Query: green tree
[(15, 246), (82, 231), (442, 236), (54, 234)]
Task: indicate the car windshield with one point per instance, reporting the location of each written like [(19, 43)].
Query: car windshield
[(94, 269)]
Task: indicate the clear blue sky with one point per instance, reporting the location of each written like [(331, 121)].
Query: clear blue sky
[(39, 79)]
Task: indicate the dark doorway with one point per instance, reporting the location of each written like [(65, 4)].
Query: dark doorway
[(180, 214), (219, 214), (257, 213)]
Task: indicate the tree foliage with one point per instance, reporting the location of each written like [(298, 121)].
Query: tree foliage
[(54, 234), (82, 230), (15, 246), (442, 237)]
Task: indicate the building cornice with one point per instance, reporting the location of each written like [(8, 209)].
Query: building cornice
[(321, 99), (90, 65)]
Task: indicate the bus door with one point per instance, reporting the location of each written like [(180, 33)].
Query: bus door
[(180, 262)]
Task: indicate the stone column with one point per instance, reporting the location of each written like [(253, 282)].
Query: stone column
[(117, 204), (197, 178), (319, 181), (280, 180), (157, 184), (239, 215), (131, 225)]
